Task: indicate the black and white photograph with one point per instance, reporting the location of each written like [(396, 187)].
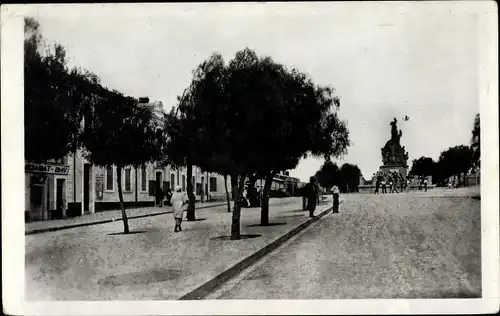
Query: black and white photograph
[(200, 158)]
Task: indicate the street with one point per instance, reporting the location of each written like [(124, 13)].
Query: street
[(416, 245), (411, 245)]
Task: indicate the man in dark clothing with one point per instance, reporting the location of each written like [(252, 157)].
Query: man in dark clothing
[(377, 184), (311, 193)]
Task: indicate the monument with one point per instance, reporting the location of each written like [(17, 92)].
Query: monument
[(394, 156)]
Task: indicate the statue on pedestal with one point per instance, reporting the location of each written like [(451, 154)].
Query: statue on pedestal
[(393, 153)]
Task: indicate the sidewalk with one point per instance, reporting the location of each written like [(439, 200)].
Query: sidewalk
[(103, 217), (157, 264)]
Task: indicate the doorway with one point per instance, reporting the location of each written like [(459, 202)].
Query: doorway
[(158, 188), (37, 199), (86, 187), (59, 198)]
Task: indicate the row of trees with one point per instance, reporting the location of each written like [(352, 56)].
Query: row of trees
[(68, 110), (454, 161), (346, 177), (250, 118)]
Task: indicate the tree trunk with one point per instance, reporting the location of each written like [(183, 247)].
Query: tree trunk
[(136, 189), (190, 213), (227, 194), (120, 197), (202, 197), (264, 209), (236, 184)]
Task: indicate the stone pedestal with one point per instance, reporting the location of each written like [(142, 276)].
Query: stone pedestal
[(388, 169)]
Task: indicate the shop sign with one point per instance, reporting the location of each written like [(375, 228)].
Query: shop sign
[(46, 168)]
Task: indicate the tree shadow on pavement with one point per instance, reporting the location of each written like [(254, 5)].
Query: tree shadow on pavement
[(141, 277), (228, 238), (270, 224), (130, 233), (196, 220)]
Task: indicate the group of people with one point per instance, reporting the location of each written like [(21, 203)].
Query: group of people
[(392, 181), (395, 181), (312, 192)]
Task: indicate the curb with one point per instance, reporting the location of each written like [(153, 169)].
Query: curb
[(106, 221), (205, 289)]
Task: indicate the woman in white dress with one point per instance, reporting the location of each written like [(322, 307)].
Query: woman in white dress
[(178, 200)]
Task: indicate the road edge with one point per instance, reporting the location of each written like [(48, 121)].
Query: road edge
[(106, 221), (208, 287)]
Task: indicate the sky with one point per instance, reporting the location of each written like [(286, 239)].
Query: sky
[(384, 60)]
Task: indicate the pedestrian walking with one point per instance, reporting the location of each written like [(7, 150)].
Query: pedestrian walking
[(179, 199), (425, 184), (336, 193), (312, 195), (394, 183), (383, 183), (377, 185)]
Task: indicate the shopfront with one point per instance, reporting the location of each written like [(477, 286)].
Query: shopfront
[(45, 194)]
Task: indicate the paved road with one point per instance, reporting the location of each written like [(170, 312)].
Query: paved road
[(92, 263), (415, 245)]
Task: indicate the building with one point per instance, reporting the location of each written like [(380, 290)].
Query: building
[(283, 184), (45, 189), (72, 186)]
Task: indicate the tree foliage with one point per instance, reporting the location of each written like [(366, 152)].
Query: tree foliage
[(349, 177), (252, 117), (476, 141), (328, 175), (423, 166), (53, 98), (454, 161)]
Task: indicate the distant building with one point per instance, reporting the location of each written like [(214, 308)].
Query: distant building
[(156, 107)]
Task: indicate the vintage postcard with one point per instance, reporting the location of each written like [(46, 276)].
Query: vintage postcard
[(250, 158)]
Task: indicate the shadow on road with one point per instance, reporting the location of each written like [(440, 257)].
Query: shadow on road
[(141, 277), (228, 238), (270, 224)]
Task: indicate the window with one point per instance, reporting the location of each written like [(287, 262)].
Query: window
[(172, 180), (144, 179), (127, 180), (183, 183), (109, 179), (213, 184)]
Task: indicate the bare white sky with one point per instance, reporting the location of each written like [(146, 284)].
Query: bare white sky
[(384, 60)]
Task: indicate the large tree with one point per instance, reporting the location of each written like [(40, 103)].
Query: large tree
[(350, 175), (328, 175), (54, 98), (259, 118), (121, 133), (455, 161), (181, 132), (289, 117), (423, 166)]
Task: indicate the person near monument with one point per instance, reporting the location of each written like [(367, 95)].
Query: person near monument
[(383, 183), (377, 184), (425, 184), (394, 181)]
